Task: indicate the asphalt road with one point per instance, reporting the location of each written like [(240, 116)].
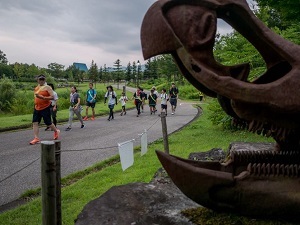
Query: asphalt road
[(101, 135)]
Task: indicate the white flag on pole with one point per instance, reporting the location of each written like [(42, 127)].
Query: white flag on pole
[(126, 154)]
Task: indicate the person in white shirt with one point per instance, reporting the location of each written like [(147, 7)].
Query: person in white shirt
[(53, 107), (123, 99), (111, 98), (164, 99)]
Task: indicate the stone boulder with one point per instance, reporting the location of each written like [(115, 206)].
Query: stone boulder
[(158, 202)]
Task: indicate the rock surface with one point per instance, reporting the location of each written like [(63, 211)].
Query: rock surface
[(159, 202)]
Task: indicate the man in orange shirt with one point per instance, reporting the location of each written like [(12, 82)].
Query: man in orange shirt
[(43, 94)]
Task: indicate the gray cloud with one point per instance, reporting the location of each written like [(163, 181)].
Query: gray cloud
[(64, 31)]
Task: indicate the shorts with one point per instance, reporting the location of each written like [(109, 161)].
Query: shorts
[(164, 106), (111, 106), (44, 113), (173, 101), (91, 104)]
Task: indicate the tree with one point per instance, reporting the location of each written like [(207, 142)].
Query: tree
[(93, 72), (286, 11), (106, 75), (3, 59), (151, 69), (128, 72), (6, 71), (134, 74), (56, 70), (168, 68), (118, 71)]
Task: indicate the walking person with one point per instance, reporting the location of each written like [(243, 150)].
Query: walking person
[(138, 100), (164, 99), (173, 93), (152, 101), (91, 95), (53, 107), (144, 98), (43, 94), (123, 99), (157, 94), (74, 108), (111, 98)]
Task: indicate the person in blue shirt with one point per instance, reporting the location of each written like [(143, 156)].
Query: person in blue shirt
[(91, 95)]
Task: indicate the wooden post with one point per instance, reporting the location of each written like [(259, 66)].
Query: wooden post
[(58, 182), (48, 183), (164, 131)]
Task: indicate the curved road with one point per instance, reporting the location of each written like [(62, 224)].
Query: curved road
[(16, 153)]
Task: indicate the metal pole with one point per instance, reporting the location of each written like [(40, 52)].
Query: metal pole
[(48, 183), (58, 182), (164, 131)]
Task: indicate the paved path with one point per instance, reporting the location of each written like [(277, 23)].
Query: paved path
[(16, 153)]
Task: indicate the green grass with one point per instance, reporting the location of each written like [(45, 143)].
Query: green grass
[(200, 135)]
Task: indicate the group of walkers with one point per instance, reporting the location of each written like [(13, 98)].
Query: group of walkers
[(140, 97), (45, 101)]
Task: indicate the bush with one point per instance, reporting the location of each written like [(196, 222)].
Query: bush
[(7, 93), (23, 103), (218, 116)]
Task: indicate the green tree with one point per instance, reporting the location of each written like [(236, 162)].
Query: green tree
[(3, 59), (134, 72), (106, 75), (6, 71), (128, 72), (56, 70), (117, 67), (93, 72), (283, 13)]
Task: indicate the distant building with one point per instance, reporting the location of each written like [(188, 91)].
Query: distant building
[(81, 66)]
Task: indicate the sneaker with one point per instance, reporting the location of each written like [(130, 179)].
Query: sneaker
[(82, 126), (68, 128), (172, 113), (35, 141), (47, 128), (85, 118), (124, 113), (121, 114), (93, 118), (56, 134)]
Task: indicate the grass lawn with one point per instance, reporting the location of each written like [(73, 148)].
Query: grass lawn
[(200, 135)]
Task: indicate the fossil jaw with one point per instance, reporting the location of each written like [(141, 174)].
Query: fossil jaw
[(186, 29)]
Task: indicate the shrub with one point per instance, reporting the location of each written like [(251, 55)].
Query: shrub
[(218, 116), (7, 93)]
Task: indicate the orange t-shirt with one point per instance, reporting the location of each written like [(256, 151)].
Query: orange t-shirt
[(46, 91)]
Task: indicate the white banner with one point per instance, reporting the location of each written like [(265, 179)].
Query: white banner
[(144, 143), (126, 154)]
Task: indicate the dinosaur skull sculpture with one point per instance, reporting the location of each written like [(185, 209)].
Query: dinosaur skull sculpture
[(269, 105)]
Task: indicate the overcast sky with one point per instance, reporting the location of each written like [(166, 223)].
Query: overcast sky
[(67, 31)]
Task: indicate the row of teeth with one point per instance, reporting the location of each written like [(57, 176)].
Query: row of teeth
[(247, 156), (263, 128), (289, 170)]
